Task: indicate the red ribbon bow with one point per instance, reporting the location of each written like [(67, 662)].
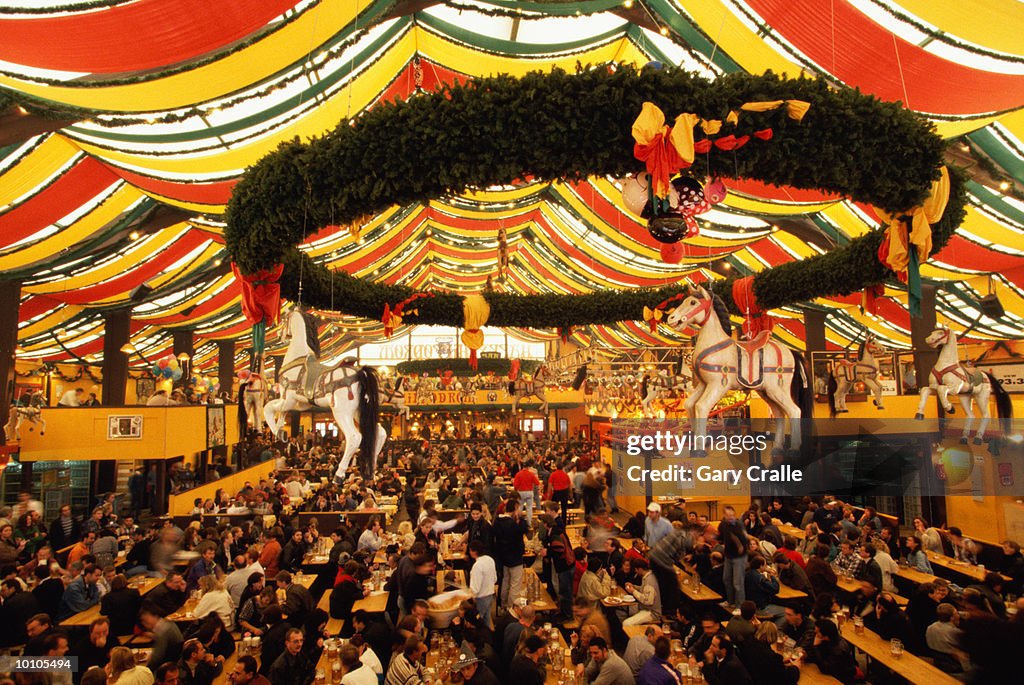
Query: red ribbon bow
[(261, 294)]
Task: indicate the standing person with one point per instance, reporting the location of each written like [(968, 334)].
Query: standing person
[(560, 489), (559, 550), (482, 579), (65, 529), (734, 538), (509, 548), (524, 482), (71, 398), (655, 527), (663, 557), (166, 636)]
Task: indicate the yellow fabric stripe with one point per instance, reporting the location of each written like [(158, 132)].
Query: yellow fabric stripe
[(747, 203), (35, 168), (744, 46), (247, 66), (116, 266), (993, 24), (51, 322), (984, 226), (122, 198), (195, 301), (362, 91)]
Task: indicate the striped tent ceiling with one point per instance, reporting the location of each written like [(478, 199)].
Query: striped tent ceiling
[(124, 125)]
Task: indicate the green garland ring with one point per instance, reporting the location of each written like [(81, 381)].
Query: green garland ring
[(493, 131)]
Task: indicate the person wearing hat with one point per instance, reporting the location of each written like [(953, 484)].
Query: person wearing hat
[(656, 527), (472, 670)]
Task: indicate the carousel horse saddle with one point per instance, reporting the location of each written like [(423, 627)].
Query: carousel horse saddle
[(312, 371), (750, 360)]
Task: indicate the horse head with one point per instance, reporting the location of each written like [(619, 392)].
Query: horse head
[(872, 346), (694, 310), (939, 337)]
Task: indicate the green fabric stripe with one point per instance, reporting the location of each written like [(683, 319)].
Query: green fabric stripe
[(692, 34), (995, 202), (1000, 153)]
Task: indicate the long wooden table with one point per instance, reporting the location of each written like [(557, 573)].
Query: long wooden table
[(86, 617), (690, 589), (375, 603), (950, 564), (911, 667), (786, 593)]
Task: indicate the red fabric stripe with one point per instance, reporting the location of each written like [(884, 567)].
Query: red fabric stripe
[(91, 347), (404, 83), (146, 34), (964, 254), (126, 282), (80, 184), (36, 305), (847, 43), (216, 193), (767, 191)]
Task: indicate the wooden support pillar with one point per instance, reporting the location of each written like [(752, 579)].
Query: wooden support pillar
[(183, 343), (920, 327), (226, 365), (116, 333), (10, 300), (814, 331)]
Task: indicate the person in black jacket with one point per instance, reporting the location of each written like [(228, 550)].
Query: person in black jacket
[(832, 653), (273, 638), (722, 666), (121, 605), (347, 591), (759, 658), (293, 666), (18, 607), (49, 592), (527, 668), (197, 666), (293, 553), (509, 548), (93, 649), (65, 530)]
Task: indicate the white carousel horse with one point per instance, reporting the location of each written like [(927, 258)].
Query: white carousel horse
[(721, 364), (845, 373), (254, 397), (520, 388), (661, 386), (395, 396), (28, 410), (949, 377), (352, 394)]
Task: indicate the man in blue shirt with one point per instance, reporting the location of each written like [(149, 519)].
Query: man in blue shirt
[(655, 527), (658, 670), (81, 593)]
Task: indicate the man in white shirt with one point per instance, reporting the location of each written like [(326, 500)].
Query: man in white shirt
[(71, 398), (238, 579), (482, 579), (293, 488), (356, 672)]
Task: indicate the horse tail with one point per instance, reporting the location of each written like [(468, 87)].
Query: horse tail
[(643, 386), (243, 416), (581, 375), (1004, 405), (799, 389), (512, 388), (369, 411), (833, 386), (399, 383)]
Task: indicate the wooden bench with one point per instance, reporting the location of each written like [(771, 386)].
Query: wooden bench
[(334, 625)]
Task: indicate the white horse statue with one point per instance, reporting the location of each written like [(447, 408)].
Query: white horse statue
[(31, 410), (950, 377), (521, 388), (252, 398), (661, 386), (721, 364), (395, 396), (845, 373), (352, 394)]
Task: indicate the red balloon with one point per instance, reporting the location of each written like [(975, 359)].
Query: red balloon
[(162, 363), (672, 253)]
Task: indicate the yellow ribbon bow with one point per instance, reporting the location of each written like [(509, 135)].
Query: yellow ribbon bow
[(921, 219), (795, 108), (652, 317), (475, 312), (664, 150)]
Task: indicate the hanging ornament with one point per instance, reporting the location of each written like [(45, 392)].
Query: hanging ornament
[(502, 254), (671, 253)]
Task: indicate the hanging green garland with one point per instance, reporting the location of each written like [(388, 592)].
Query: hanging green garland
[(557, 125)]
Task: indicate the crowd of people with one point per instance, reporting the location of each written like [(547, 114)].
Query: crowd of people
[(503, 508)]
